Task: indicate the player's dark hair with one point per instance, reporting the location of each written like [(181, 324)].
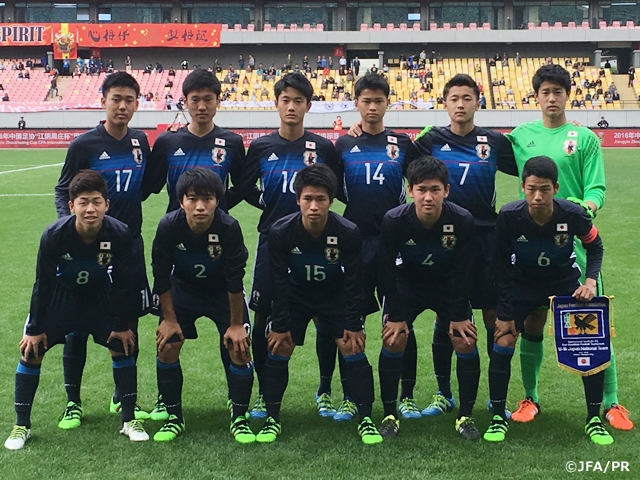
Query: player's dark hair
[(120, 79), (87, 181), (201, 79), (552, 74), (461, 80), (316, 175), (200, 181), (373, 82), (541, 166), (294, 80), (427, 168)]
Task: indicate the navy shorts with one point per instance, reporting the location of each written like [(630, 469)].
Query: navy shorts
[(530, 297), (76, 311), (330, 315), (483, 290), (415, 299), (370, 271), (190, 304), (260, 300)]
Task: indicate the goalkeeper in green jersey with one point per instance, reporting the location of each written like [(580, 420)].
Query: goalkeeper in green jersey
[(577, 153)]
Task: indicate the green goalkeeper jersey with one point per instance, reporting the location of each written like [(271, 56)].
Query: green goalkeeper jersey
[(575, 150)]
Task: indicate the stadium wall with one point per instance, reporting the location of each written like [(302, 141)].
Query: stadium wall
[(270, 119)]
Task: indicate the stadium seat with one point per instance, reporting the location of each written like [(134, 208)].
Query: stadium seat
[(446, 26), (293, 27), (630, 24), (306, 27), (571, 25), (473, 26), (364, 27), (403, 26), (615, 24), (377, 26), (225, 27), (237, 27), (558, 25), (585, 24), (251, 27), (459, 26), (531, 26), (416, 26), (280, 27), (602, 25), (544, 25), (433, 26), (320, 27), (267, 27)]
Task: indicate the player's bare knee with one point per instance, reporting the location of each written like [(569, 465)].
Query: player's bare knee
[(170, 353), (398, 345), (36, 361), (460, 345), (508, 340), (535, 322), (239, 358), (283, 350)]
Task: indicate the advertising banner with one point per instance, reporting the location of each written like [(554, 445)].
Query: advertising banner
[(149, 35)]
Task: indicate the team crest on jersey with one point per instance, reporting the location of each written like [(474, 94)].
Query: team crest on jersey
[(561, 239), (570, 146), (448, 241), (309, 158), (483, 151), (392, 152), (332, 254), (137, 155), (104, 259), (135, 142), (214, 251), (219, 155)]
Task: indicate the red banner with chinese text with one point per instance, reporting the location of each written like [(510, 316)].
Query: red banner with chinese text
[(149, 35), (26, 34)]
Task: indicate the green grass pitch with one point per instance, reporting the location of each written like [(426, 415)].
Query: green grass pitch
[(309, 447)]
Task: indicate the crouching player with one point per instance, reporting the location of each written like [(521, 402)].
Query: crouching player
[(199, 259), (315, 260), (426, 248), (73, 291), (534, 260)]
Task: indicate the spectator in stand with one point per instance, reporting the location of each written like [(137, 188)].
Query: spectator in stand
[(319, 63), (374, 69), (632, 75), (288, 62), (607, 65), (168, 83), (356, 66), (509, 91), (305, 62), (27, 75), (525, 101), (343, 62), (185, 65), (172, 72), (587, 97), (168, 98), (252, 62), (65, 67), (612, 88), (423, 58), (1, 87), (296, 68), (5, 97), (325, 72), (492, 62), (240, 62), (608, 98), (350, 75), (148, 69), (575, 103), (323, 62), (159, 67), (603, 123), (44, 61), (518, 59), (128, 64), (616, 97), (53, 90), (22, 124), (568, 62), (330, 63)]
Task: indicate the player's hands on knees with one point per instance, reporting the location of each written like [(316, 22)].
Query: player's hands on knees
[(277, 342), (392, 330), (586, 292), (236, 338), (29, 343), (127, 338), (355, 341), (503, 328), (466, 329), (165, 331), (355, 130)]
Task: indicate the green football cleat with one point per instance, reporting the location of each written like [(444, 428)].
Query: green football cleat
[(241, 431), (596, 431), (116, 407), (368, 432), (408, 408), (497, 430), (345, 411), (269, 431), (71, 417), (466, 427), (259, 409), (389, 426), (170, 430), (18, 437), (159, 411), (325, 405)]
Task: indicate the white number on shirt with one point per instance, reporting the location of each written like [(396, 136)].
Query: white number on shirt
[(120, 177), (466, 170), (379, 177)]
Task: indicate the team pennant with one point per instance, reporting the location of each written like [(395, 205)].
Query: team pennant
[(332, 240), (213, 237)]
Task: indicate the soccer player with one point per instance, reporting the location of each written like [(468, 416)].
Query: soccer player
[(535, 260), (372, 169), (120, 155), (425, 250), (315, 258), (199, 259), (472, 155), (578, 155), (275, 160), (201, 143), (83, 281)]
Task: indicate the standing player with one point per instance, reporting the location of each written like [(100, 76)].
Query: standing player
[(199, 259), (472, 155), (425, 250), (275, 160), (201, 143), (578, 155), (316, 269), (120, 155), (372, 168), (535, 260), (83, 280)]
